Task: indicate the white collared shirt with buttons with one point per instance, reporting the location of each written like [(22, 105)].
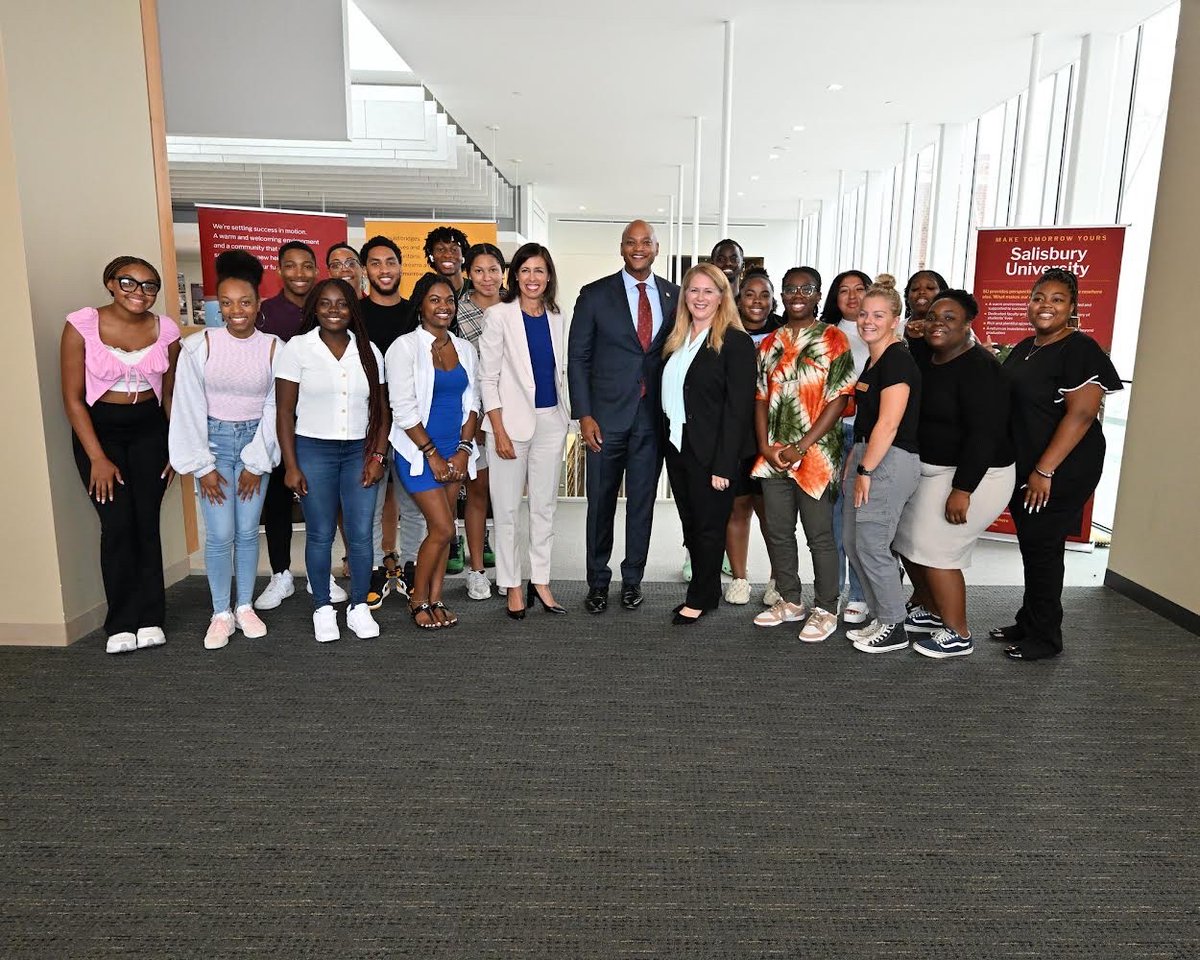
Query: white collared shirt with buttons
[(334, 397)]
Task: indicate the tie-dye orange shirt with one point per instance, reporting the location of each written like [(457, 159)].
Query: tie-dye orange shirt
[(799, 374)]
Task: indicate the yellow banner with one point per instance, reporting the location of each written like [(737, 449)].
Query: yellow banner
[(409, 236)]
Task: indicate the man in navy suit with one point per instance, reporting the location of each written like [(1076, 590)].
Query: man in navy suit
[(614, 367)]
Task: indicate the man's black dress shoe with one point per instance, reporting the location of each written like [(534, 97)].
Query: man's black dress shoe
[(597, 600), (631, 596)]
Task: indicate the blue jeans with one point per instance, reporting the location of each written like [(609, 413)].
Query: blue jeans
[(333, 469), (231, 527), (845, 568)]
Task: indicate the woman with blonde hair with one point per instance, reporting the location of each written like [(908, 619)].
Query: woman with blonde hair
[(883, 468), (708, 403)]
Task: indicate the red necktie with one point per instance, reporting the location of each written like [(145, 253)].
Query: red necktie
[(645, 318)]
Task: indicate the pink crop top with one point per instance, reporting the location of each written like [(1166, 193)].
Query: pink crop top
[(103, 369)]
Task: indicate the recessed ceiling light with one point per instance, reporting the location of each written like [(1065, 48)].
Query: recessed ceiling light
[(582, 207), (514, 159), (753, 177), (772, 156), (834, 87), (659, 210), (741, 193), (799, 128)]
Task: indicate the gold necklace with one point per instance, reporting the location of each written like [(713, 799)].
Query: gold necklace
[(1038, 346)]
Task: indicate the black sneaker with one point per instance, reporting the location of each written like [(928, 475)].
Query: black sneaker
[(402, 584), (380, 587), (884, 639)]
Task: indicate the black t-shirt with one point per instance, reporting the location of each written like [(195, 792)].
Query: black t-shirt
[(964, 413), (896, 365), (1040, 378), (771, 324), (385, 324)]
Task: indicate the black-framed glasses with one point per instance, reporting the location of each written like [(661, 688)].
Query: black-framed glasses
[(348, 264), (149, 287), (805, 290)]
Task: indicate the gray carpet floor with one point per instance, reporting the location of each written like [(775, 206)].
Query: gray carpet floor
[(602, 787)]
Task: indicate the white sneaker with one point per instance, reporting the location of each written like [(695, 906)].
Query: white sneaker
[(781, 612), (220, 629), (738, 591), (359, 619), (771, 595), (819, 626), (280, 587), (325, 625), (863, 633), (121, 643), (336, 593), (249, 622), (150, 637), (855, 612), (479, 587)]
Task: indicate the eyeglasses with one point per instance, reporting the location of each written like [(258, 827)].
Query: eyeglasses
[(348, 264), (806, 290), (149, 287)]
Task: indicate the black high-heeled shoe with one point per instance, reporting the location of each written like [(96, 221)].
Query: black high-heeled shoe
[(513, 614), (531, 593)]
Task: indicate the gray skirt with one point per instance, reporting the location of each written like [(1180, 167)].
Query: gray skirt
[(925, 536)]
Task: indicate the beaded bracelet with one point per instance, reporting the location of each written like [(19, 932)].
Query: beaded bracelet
[(464, 446)]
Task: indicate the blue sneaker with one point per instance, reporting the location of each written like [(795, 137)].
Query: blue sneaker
[(920, 620), (945, 643)]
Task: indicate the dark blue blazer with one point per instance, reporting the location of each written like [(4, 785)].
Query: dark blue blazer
[(606, 366)]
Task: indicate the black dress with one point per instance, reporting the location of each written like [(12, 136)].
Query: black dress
[(1040, 378)]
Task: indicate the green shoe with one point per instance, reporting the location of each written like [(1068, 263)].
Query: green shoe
[(454, 563), (489, 555)]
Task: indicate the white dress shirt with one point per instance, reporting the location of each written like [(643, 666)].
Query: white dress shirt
[(631, 291), (334, 402)]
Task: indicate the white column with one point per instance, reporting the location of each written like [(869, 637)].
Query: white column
[(799, 258), (1089, 189), (726, 130), (677, 244), (670, 237), (947, 182), (873, 223), (1027, 173), (838, 232), (696, 194), (897, 257)]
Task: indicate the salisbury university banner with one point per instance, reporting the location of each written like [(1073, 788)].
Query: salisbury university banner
[(1008, 262)]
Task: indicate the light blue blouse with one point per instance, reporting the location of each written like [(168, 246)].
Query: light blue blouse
[(674, 374)]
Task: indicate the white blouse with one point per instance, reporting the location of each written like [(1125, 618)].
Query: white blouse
[(334, 401)]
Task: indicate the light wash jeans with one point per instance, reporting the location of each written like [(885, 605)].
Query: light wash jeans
[(845, 570), (231, 527)]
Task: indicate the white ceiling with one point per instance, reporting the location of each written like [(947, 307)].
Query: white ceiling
[(596, 99)]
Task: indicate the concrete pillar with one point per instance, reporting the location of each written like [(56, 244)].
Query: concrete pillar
[(80, 130), (1156, 543)]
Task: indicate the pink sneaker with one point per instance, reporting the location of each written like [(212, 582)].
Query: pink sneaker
[(249, 622), (220, 629)]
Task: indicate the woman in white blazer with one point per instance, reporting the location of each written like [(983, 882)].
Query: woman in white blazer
[(522, 361)]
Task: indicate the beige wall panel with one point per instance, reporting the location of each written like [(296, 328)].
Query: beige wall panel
[(77, 99), (1157, 540)]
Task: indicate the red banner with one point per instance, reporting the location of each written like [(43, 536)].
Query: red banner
[(1008, 262), (262, 233)]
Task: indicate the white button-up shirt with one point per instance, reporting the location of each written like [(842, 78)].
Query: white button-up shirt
[(334, 401)]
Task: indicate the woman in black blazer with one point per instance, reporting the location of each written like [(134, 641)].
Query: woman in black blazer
[(708, 404)]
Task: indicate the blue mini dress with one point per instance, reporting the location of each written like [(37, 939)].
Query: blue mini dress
[(444, 427)]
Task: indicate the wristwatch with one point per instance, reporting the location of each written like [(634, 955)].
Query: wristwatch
[(863, 471)]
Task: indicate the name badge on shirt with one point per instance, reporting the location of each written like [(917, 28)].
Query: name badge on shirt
[(862, 387)]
